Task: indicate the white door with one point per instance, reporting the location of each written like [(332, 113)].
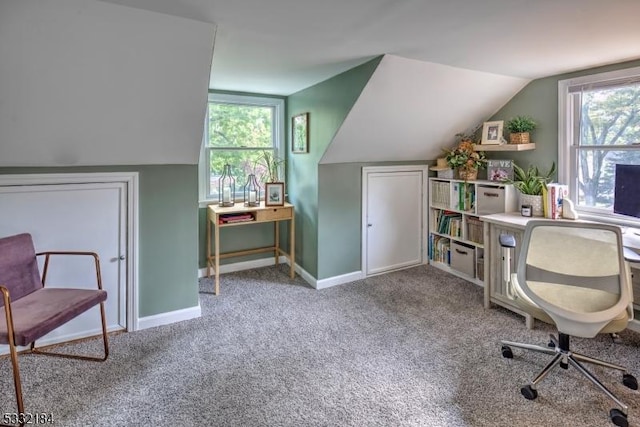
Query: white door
[(76, 217), (393, 214)]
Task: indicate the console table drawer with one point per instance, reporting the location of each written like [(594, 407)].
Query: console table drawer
[(271, 214)]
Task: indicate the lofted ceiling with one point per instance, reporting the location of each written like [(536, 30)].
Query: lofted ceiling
[(283, 46)]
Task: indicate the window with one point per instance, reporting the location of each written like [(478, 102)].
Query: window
[(238, 131), (599, 127)]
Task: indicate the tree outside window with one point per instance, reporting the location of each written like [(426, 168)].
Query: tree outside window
[(239, 130), (600, 127)]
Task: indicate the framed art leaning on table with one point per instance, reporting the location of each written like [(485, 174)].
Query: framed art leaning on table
[(274, 194)]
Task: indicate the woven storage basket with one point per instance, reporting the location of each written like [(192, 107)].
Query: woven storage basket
[(468, 174), (519, 138)]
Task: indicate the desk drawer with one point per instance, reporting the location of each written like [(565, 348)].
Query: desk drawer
[(271, 214)]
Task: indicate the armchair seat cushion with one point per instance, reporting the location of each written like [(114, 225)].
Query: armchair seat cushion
[(44, 310)]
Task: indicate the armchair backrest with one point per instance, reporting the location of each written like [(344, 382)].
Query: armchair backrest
[(18, 266), (588, 258)]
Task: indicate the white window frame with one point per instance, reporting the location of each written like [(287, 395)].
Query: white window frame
[(567, 148), (278, 135)]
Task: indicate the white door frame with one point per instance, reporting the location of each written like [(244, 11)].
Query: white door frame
[(130, 179), (425, 205)]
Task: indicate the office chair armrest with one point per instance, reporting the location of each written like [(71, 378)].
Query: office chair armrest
[(47, 254), (507, 241), (630, 255)]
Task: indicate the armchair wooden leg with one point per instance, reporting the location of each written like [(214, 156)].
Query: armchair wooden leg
[(14, 353)]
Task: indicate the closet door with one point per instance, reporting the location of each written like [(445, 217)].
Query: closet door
[(76, 217), (393, 208)]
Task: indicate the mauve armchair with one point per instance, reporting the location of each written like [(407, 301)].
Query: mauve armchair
[(31, 310)]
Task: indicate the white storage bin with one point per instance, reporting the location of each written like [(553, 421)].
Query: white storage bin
[(490, 200), (462, 258)]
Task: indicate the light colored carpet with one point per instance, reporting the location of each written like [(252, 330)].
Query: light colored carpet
[(409, 348)]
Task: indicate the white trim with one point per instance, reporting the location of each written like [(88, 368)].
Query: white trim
[(599, 77), (279, 135), (95, 333), (131, 181), (339, 280), (425, 207), (265, 262), (568, 150), (169, 317), (244, 265)]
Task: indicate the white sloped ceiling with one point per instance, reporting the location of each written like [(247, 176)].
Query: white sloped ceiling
[(83, 82), (410, 110)]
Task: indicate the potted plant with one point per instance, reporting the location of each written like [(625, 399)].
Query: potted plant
[(530, 183), (464, 159), (271, 165), (520, 128)]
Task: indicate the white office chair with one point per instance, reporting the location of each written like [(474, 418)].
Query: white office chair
[(573, 275)]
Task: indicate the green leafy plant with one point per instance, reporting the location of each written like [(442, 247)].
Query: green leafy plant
[(272, 165), (463, 156), (531, 181), (521, 124)]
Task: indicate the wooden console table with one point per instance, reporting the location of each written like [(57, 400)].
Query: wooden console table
[(259, 214)]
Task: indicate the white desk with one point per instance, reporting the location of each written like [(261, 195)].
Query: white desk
[(495, 287)]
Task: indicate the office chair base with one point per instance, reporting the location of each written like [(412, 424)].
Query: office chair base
[(618, 418), (563, 357)]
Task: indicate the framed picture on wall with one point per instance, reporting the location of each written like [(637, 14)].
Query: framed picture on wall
[(274, 194), (300, 133)]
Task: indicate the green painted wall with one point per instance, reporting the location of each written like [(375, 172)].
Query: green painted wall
[(328, 103), (539, 99), (168, 232), (340, 217)]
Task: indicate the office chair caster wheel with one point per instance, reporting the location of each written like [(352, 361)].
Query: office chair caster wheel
[(506, 352), (618, 417), (529, 392), (630, 381)]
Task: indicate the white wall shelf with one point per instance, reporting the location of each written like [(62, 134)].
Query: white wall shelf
[(504, 147)]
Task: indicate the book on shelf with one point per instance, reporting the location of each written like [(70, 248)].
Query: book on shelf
[(439, 249), (449, 222), (237, 217), (464, 196)]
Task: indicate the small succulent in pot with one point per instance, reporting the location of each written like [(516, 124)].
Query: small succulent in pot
[(521, 124)]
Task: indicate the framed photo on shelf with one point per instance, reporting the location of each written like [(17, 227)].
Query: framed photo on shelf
[(274, 194), (492, 133), (499, 170), (300, 133)]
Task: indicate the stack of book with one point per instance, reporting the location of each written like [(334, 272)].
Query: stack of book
[(439, 249), (449, 223), (235, 217), (552, 199), (464, 196)]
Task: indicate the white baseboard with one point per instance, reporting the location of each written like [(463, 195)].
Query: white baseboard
[(169, 317), (339, 280), (245, 265), (265, 262), (4, 349)]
